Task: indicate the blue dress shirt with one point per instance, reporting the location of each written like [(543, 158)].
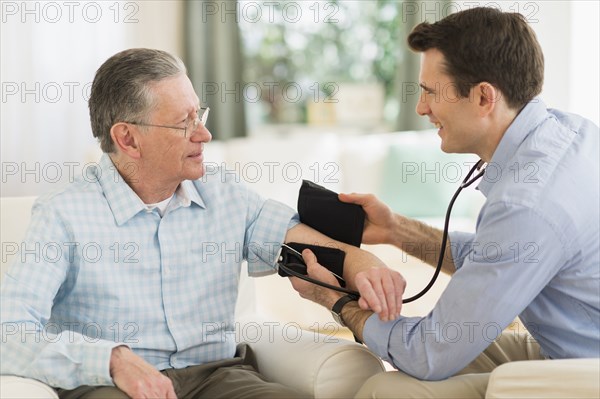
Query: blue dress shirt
[(98, 269), (535, 254)]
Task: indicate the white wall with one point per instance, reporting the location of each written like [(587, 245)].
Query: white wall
[(49, 54), (584, 60), (568, 33), (50, 51)]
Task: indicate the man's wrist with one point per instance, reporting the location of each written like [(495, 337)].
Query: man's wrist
[(329, 298), (355, 318), (336, 309)]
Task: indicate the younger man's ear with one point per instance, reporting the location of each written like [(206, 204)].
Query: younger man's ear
[(487, 95), (125, 139)]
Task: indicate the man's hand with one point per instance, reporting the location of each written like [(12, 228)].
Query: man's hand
[(380, 220), (313, 292), (136, 377), (381, 289)]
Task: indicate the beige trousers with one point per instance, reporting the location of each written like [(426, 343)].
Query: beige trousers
[(471, 382)]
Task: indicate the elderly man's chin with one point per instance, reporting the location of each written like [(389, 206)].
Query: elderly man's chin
[(195, 171), (201, 171)]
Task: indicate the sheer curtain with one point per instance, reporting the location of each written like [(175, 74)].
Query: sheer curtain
[(46, 71)]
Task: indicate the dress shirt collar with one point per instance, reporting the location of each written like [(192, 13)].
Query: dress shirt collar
[(125, 203), (187, 193), (526, 121)]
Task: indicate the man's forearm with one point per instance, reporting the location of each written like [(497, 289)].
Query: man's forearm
[(421, 241), (355, 261), (358, 260)]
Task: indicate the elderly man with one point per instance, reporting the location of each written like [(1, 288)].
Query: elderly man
[(481, 70), (149, 285)]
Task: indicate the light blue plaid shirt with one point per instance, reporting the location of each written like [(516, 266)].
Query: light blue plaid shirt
[(98, 269)]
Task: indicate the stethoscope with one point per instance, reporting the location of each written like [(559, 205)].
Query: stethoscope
[(467, 181)]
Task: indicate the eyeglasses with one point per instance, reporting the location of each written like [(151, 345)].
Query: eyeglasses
[(191, 125)]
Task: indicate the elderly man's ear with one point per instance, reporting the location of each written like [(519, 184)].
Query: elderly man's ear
[(126, 140)]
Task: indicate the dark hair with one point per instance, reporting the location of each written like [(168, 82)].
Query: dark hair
[(486, 45), (120, 91)]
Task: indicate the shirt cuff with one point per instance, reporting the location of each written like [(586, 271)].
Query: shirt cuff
[(272, 224), (376, 335), (96, 363)]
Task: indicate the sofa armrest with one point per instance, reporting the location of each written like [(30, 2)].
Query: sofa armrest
[(12, 387), (318, 365), (568, 378)]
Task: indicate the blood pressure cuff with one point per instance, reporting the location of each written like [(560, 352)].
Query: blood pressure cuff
[(330, 258), (321, 209)]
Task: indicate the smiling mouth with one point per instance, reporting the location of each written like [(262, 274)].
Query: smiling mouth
[(438, 125)]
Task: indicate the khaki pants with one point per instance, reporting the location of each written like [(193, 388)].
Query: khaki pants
[(230, 378), (471, 382)]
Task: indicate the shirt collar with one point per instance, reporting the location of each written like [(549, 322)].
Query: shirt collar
[(187, 193), (526, 121), (125, 203)]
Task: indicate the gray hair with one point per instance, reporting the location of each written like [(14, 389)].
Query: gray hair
[(121, 89)]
